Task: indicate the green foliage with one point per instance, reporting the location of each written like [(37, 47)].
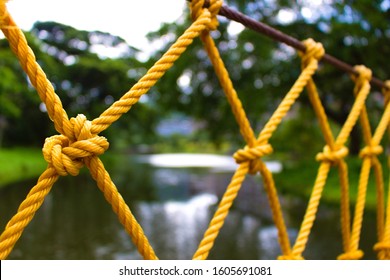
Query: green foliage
[(298, 137), (86, 80), (262, 71), (90, 70), (299, 178)]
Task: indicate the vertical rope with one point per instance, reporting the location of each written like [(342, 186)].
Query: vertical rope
[(79, 143), (362, 85), (383, 245)]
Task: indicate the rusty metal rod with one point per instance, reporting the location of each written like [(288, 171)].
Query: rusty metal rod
[(279, 36)]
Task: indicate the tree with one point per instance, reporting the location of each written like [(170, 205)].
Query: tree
[(16, 97), (89, 71), (97, 69), (263, 71)]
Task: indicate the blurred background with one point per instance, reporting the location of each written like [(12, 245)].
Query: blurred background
[(186, 113)]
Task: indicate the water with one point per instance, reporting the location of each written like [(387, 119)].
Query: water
[(174, 207)]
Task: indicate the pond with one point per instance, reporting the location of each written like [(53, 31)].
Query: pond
[(174, 206)]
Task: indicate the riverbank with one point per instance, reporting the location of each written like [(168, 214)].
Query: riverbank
[(299, 178), (20, 164)]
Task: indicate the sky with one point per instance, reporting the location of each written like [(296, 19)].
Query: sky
[(129, 19)]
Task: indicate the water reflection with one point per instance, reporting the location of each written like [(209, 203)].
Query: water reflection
[(174, 206), (175, 227)]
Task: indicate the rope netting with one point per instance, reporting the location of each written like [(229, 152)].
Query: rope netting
[(79, 144)]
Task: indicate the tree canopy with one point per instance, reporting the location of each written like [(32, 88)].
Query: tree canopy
[(90, 70), (262, 70)]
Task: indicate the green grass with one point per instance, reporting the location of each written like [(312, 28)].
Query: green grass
[(19, 164), (299, 178)]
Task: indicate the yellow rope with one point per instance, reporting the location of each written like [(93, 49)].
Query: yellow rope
[(383, 245), (333, 153), (19, 46), (245, 157), (79, 144), (26, 211), (362, 84)]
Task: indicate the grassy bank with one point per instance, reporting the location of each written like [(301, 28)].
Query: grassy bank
[(299, 179), (18, 164)]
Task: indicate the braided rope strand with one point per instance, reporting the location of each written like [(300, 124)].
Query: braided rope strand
[(26, 212), (120, 208), (37, 76), (79, 144), (218, 219), (122, 106)]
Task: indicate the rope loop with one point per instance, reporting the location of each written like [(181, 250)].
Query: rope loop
[(332, 156), (198, 7), (67, 155), (371, 151), (252, 155), (382, 246), (313, 50), (364, 74), (352, 255), (383, 249)]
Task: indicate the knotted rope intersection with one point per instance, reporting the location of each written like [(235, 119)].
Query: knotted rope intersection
[(79, 144)]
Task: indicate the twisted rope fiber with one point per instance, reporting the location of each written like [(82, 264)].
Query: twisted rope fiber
[(317, 190), (60, 161), (327, 158), (131, 97), (383, 245), (19, 46), (334, 155), (80, 144), (370, 160), (250, 154), (221, 213), (254, 153), (26, 211), (231, 192), (352, 245)]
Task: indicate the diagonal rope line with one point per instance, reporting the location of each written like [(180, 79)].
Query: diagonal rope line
[(78, 143)]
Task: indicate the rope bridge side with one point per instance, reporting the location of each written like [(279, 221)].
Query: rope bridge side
[(79, 144)]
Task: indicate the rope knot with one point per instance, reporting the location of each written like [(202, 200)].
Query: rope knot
[(198, 7), (371, 151), (313, 50), (352, 255), (252, 155), (364, 74), (382, 246), (383, 249), (332, 156), (67, 155)]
